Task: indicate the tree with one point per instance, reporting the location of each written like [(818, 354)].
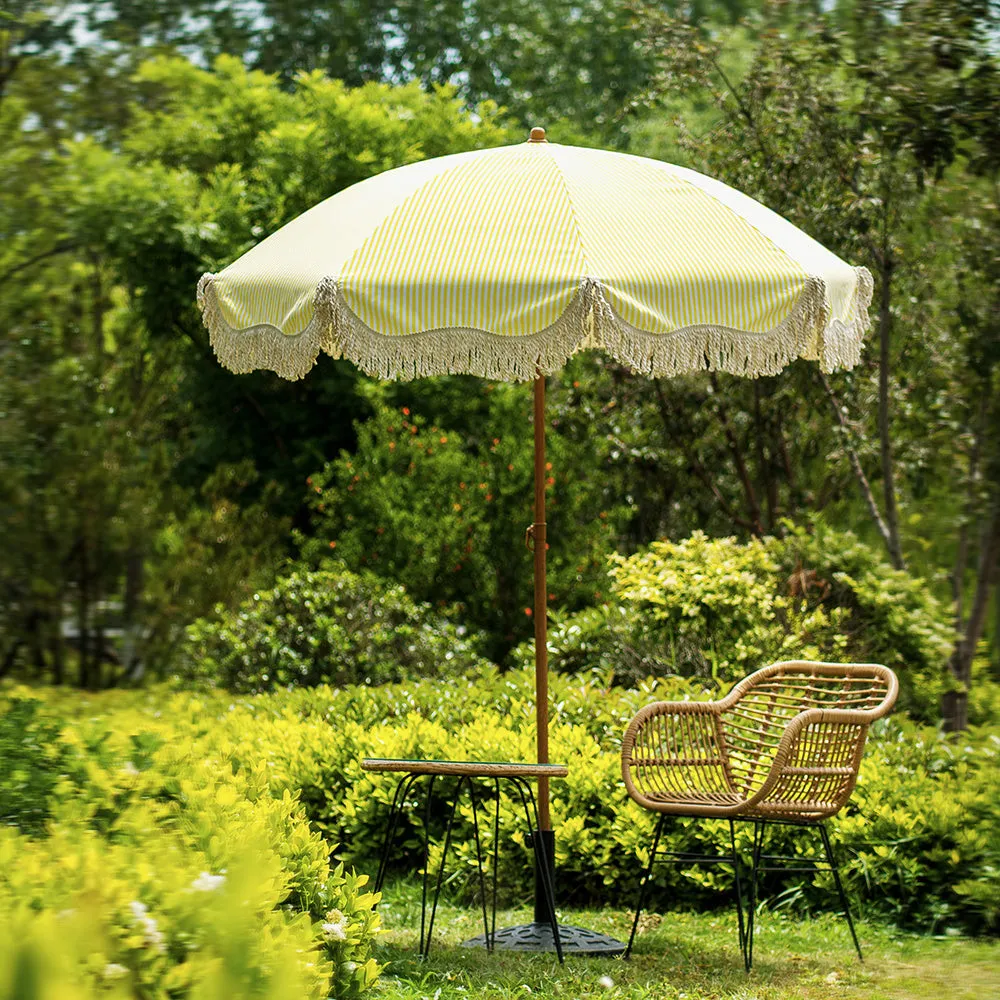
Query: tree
[(145, 481), (849, 123), (977, 552), (443, 507), (545, 60)]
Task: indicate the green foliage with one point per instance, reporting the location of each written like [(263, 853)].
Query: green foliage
[(286, 149), (917, 842), (213, 546), (719, 609), (893, 616), (443, 510), (859, 124), (541, 60), (170, 867), (330, 626), (32, 762), (924, 820), (718, 599), (136, 473)]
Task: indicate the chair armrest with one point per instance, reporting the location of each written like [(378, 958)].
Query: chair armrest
[(674, 748), (702, 713), (816, 761)]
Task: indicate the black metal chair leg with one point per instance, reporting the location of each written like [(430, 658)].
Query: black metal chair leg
[(527, 794), (496, 860), (644, 884), (831, 861), (425, 946), (758, 844), (739, 891)]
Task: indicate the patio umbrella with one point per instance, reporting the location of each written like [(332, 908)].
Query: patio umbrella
[(504, 262)]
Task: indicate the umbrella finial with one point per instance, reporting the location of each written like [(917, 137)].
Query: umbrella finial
[(537, 135)]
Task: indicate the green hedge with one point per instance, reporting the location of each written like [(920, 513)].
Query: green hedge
[(443, 508), (918, 841)]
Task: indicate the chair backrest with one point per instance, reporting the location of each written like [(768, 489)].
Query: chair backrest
[(825, 753)]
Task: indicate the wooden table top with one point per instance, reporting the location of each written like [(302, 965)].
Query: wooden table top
[(468, 768)]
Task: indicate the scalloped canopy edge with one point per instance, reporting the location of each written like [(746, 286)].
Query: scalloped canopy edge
[(808, 331)]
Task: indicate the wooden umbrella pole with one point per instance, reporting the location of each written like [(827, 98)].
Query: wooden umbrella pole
[(541, 606)]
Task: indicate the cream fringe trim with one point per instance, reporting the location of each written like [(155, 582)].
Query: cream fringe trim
[(807, 332)]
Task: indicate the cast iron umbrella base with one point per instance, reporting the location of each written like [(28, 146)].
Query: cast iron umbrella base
[(538, 937)]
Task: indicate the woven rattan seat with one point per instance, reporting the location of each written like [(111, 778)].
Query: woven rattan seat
[(784, 746), (703, 798)]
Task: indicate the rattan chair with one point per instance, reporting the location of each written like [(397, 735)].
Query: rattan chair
[(783, 747)]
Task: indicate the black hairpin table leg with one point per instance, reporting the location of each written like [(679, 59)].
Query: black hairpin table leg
[(395, 811), (425, 943)]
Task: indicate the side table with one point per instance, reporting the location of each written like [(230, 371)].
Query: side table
[(467, 772)]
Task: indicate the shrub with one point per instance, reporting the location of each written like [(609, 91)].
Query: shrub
[(917, 842), (922, 833), (719, 609), (173, 867), (328, 626)]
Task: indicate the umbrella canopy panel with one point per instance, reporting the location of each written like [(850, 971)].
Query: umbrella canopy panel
[(504, 262)]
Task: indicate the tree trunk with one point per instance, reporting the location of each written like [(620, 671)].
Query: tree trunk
[(955, 704), (58, 652), (36, 626), (795, 499), (694, 462), (971, 490), (859, 472), (10, 657), (885, 444), (97, 674), (753, 507), (765, 462), (130, 612), (82, 624)]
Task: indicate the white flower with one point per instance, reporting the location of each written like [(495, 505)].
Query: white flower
[(206, 882), (607, 982), (152, 933), (335, 928), (349, 966), (114, 971), (154, 936), (334, 932)]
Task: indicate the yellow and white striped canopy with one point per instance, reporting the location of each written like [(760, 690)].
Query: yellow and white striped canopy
[(504, 262)]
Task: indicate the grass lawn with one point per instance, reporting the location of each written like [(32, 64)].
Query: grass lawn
[(685, 956)]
